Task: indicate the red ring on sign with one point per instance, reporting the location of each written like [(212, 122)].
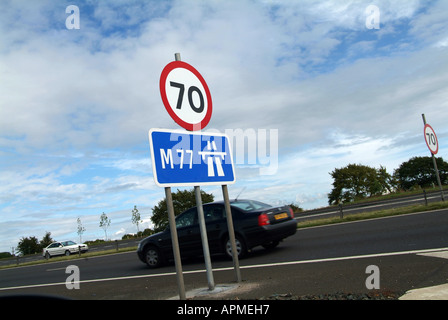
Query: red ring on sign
[(186, 125)]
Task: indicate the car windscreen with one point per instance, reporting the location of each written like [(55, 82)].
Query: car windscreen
[(250, 205)]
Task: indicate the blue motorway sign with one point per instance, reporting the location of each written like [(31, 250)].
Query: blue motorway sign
[(181, 158)]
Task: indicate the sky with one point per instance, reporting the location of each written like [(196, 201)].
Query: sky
[(309, 86)]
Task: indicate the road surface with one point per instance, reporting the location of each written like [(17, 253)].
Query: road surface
[(316, 260)]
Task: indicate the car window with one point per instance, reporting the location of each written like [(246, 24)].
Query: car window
[(68, 243), (186, 219), (250, 205), (213, 212), (54, 245)]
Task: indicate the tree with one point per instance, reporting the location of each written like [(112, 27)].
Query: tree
[(136, 218), (81, 230), (420, 171), (104, 223), (357, 181), (28, 245), (295, 208), (46, 240), (182, 200)]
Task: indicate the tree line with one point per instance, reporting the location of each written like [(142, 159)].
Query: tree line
[(31, 245), (356, 181)]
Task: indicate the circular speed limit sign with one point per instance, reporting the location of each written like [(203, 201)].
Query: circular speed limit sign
[(431, 139), (185, 95)]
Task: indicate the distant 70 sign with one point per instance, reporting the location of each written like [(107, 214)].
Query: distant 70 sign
[(431, 139), (192, 110)]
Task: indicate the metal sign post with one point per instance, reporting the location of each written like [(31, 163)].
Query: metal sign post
[(203, 229), (175, 243), (433, 145), (236, 263), (182, 158)]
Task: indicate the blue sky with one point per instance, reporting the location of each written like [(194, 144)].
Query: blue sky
[(77, 104)]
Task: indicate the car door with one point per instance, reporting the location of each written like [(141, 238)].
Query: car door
[(54, 249), (216, 224), (188, 232)]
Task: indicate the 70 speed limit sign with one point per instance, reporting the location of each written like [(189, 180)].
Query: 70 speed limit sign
[(431, 139), (186, 95)]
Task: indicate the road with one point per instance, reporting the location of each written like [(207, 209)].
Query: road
[(314, 261), (432, 196)]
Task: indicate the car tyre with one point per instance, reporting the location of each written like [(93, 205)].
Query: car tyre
[(47, 255), (153, 257), (240, 247), (67, 253)]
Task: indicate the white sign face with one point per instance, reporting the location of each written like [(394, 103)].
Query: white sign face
[(431, 139), (185, 95)]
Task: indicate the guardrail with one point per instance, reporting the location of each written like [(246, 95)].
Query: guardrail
[(401, 201)]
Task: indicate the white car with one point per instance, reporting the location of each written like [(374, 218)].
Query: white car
[(63, 248)]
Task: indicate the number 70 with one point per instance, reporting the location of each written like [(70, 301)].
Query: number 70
[(190, 96), (431, 138)]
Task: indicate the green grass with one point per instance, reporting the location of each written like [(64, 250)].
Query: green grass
[(374, 214)]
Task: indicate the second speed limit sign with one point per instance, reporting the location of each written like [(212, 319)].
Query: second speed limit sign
[(431, 139), (186, 95)]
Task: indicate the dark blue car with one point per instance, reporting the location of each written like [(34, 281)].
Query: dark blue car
[(255, 224)]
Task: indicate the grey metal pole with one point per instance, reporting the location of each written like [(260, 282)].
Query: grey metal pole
[(236, 263), (204, 238), (435, 166), (175, 243), (173, 231), (202, 227)]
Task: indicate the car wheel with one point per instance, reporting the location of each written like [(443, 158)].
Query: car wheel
[(67, 253), (153, 258), (240, 247), (47, 255)]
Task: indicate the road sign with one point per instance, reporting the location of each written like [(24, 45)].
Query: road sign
[(186, 95), (182, 158), (431, 139)]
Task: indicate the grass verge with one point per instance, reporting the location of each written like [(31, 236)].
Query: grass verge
[(374, 214), (71, 257)]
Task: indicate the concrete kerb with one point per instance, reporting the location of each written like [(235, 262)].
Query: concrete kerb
[(439, 292), (205, 292)]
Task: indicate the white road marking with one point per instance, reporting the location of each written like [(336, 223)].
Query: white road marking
[(56, 269)]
